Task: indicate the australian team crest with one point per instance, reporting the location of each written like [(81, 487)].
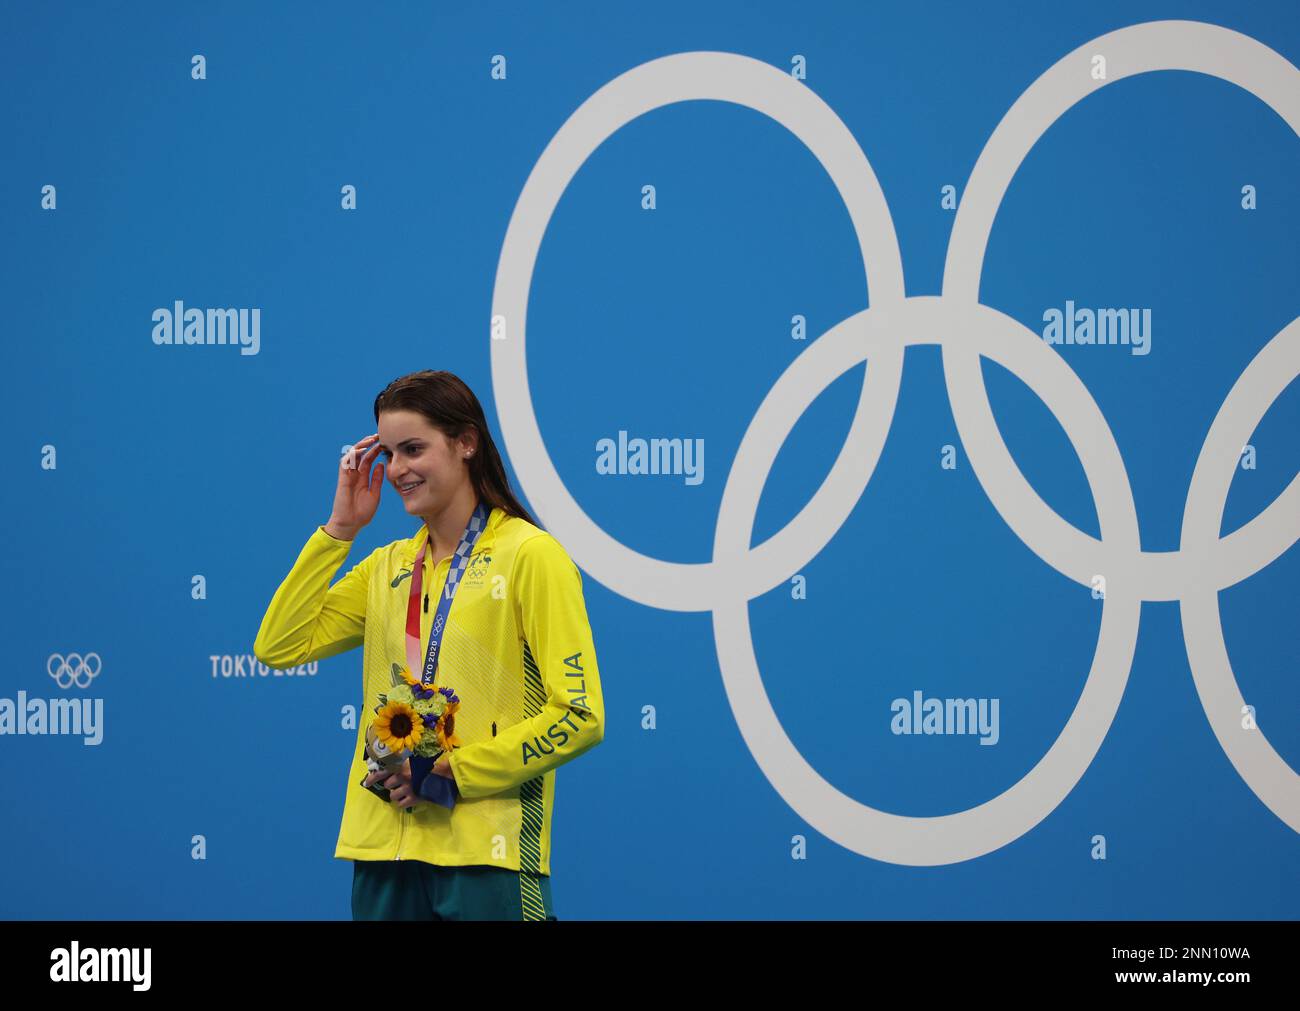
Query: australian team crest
[(476, 569)]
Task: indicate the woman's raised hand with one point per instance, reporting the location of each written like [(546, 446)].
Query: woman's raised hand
[(357, 495)]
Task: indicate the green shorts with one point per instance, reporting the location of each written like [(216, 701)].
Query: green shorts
[(415, 890)]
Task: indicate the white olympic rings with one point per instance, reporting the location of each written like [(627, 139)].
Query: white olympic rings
[(69, 671), (966, 331)]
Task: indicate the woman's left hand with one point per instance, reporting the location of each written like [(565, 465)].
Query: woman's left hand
[(443, 767), (399, 788)]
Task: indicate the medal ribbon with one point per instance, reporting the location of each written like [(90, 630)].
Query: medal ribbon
[(458, 562)]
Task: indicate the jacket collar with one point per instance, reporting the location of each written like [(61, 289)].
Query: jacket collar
[(413, 544)]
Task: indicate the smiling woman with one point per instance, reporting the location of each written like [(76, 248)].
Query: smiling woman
[(466, 836)]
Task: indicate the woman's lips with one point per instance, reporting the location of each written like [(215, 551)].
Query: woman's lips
[(408, 491)]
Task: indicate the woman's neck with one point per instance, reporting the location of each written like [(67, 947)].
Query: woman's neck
[(446, 527)]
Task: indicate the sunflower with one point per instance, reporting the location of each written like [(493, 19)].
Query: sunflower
[(398, 727), (411, 680), (445, 729), (417, 688)]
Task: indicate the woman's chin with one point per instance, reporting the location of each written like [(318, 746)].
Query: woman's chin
[(415, 505)]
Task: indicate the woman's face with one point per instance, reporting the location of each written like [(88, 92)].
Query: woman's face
[(416, 453)]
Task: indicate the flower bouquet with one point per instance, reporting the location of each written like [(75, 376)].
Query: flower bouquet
[(413, 720)]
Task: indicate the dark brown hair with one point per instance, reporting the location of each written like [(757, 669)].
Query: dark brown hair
[(451, 407)]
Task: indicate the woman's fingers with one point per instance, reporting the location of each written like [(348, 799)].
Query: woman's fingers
[(369, 444), (373, 479), (390, 779)]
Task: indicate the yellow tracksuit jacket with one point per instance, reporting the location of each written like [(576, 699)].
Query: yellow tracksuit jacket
[(518, 652)]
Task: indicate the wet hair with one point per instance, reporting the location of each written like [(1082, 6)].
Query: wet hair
[(451, 407)]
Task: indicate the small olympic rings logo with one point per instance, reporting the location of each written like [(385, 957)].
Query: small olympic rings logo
[(70, 670)]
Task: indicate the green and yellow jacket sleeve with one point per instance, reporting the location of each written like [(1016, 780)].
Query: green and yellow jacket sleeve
[(308, 619), (561, 681)]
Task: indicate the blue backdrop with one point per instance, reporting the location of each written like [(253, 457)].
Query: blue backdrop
[(136, 468)]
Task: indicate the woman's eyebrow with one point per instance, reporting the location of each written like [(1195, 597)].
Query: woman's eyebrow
[(404, 442)]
